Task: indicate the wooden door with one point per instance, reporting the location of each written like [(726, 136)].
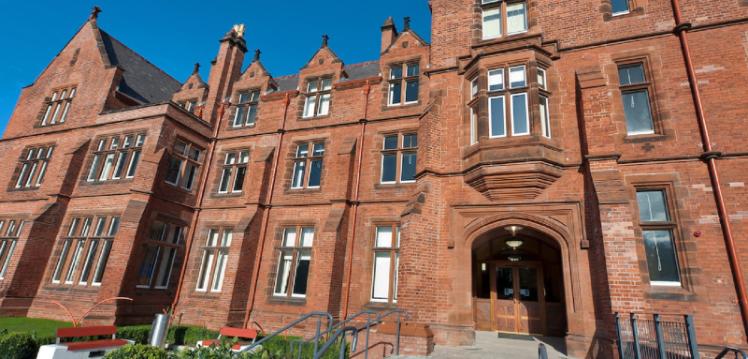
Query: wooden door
[(517, 300)]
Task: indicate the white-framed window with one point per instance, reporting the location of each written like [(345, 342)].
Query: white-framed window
[(545, 116), (496, 117), (473, 126), (214, 260), (234, 172), (32, 166), (85, 250), (184, 165), (247, 105), (635, 94), (385, 264), (318, 97), (499, 15), (496, 80), (474, 87), (520, 116), (620, 7), (10, 230), (517, 77), (658, 230), (399, 155), (159, 254), (189, 105), (294, 262), (57, 107), (403, 76), (115, 157), (307, 168)]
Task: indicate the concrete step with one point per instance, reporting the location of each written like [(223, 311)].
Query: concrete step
[(490, 345)]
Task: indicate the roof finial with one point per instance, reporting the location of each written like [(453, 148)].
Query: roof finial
[(196, 69), (406, 23), (94, 13), (257, 55), (325, 39), (389, 22)]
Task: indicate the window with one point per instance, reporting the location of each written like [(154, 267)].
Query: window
[(184, 164), (515, 20), (234, 171), (386, 261), (10, 230), (303, 178), (397, 82), (317, 97), (189, 105), (543, 102), (658, 229), (403, 147), (515, 97), (294, 262), (159, 254), (474, 86), (620, 7), (215, 257), (85, 250), (58, 107), (246, 109), (473, 126), (33, 166), (635, 90), (116, 157)]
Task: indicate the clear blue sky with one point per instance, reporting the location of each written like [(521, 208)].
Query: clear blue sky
[(175, 34)]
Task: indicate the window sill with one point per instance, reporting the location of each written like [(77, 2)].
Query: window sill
[(302, 118), (403, 105), (227, 194), (607, 16), (380, 306), (503, 39), (23, 189), (645, 137), (103, 183), (394, 185), (287, 300), (673, 293), (232, 128), (304, 190)]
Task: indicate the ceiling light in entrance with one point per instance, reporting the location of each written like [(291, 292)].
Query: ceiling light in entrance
[(514, 243), (514, 258), (513, 229)]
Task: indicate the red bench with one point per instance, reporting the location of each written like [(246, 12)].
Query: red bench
[(228, 332), (97, 331)]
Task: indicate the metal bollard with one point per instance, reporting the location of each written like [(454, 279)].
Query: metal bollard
[(542, 351), (159, 328)]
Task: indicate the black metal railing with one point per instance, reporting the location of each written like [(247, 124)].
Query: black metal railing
[(644, 337), (737, 353)]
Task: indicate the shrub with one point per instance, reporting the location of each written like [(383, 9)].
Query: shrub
[(18, 346), (136, 333), (138, 351), (185, 335)]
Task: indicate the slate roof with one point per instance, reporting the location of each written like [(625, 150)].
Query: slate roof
[(355, 72), (141, 80)]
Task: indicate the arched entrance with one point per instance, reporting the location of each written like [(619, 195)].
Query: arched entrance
[(518, 284)]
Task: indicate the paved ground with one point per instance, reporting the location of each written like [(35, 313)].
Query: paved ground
[(488, 345)]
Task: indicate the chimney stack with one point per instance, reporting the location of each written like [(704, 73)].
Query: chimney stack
[(389, 33), (225, 71)]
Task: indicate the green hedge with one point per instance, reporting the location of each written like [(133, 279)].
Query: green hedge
[(18, 346)]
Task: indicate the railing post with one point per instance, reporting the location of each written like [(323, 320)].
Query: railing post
[(692, 344), (397, 335), (341, 353), (660, 337), (368, 326), (542, 351), (618, 334), (635, 335), (316, 337)]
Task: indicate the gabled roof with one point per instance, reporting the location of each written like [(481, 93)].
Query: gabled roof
[(357, 71), (141, 80)]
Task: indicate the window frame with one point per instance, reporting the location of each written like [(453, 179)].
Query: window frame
[(297, 252), (170, 238), (85, 250), (241, 162), (317, 95), (247, 107), (399, 153), (394, 252), (308, 160), (189, 105), (186, 161), (403, 82), (502, 6), (507, 91), (619, 13), (32, 167), (55, 106), (125, 149), (9, 237), (647, 86), (671, 225), (214, 260)]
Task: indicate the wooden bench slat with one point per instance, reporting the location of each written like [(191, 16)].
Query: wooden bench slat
[(86, 331), (95, 344), (243, 333)]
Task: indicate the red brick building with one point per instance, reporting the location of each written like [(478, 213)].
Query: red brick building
[(537, 167)]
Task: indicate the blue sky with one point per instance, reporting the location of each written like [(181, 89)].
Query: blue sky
[(175, 34)]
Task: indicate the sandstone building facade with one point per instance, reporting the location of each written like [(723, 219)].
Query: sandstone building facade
[(535, 168)]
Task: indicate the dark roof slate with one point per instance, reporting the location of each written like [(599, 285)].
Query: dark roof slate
[(141, 80)]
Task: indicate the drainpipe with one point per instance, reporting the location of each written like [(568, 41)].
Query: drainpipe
[(266, 217), (710, 156), (355, 203), (200, 197)]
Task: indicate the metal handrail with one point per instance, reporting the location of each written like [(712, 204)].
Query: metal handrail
[(735, 351), (340, 332), (380, 316), (296, 322)]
